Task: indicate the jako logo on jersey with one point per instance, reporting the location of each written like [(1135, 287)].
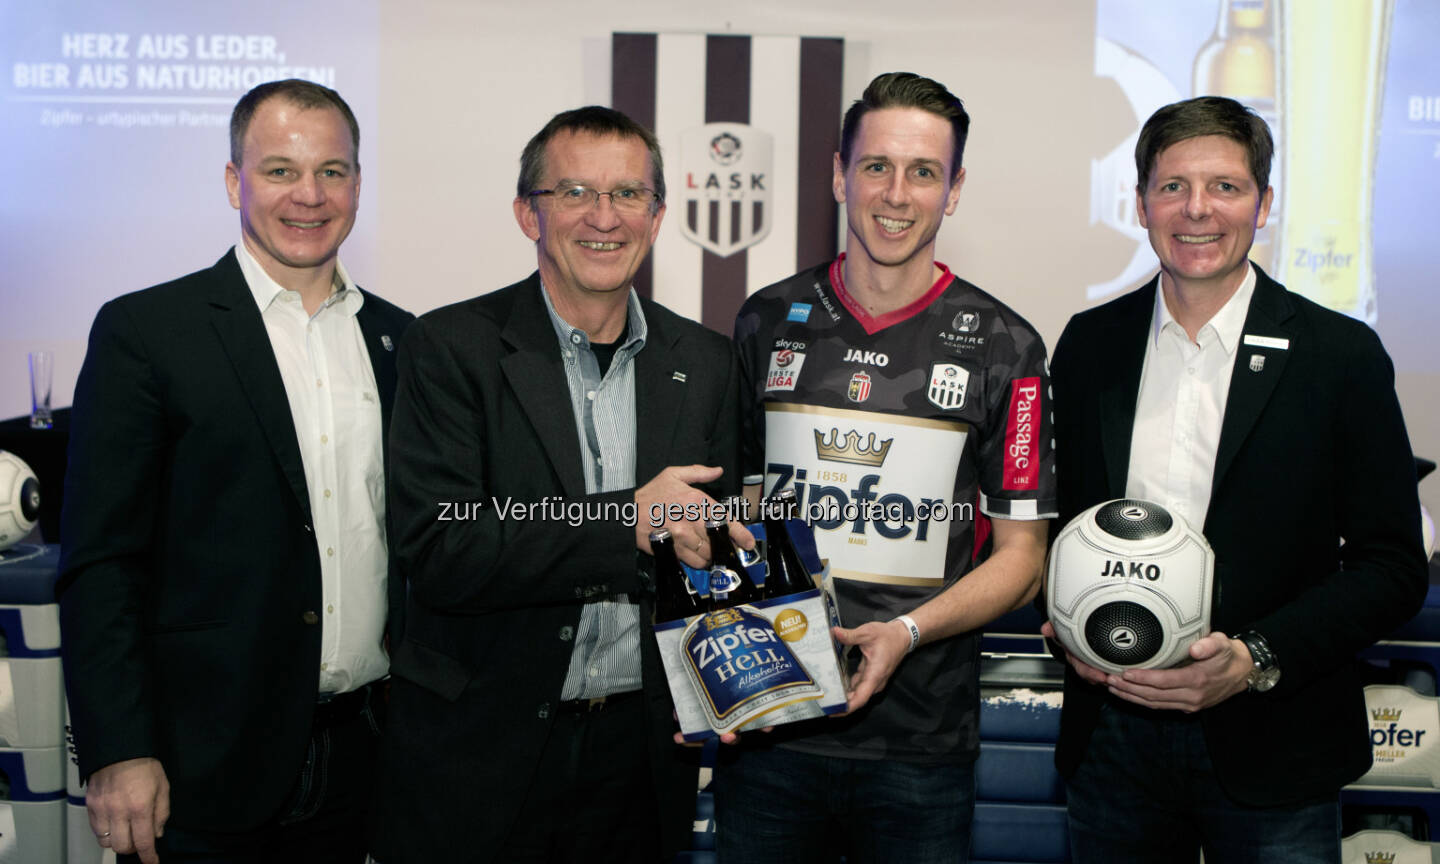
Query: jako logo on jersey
[(873, 358), (1022, 467), (948, 383), (966, 322), (799, 313), (859, 389), (784, 369)]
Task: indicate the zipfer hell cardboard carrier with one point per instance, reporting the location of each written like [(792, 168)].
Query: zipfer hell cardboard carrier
[(763, 663)]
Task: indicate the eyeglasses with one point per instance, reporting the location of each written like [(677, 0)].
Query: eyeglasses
[(629, 199)]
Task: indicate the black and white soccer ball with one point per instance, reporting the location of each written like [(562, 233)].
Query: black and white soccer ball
[(1129, 586), (19, 499)]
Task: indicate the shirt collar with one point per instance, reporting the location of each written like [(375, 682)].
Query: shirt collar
[(1227, 324), (265, 290), (636, 330)]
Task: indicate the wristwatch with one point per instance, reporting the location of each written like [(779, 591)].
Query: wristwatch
[(1266, 673)]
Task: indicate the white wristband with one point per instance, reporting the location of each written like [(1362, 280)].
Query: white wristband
[(914, 631)]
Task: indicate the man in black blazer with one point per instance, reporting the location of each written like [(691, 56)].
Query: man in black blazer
[(223, 571), (539, 432), (1271, 424)]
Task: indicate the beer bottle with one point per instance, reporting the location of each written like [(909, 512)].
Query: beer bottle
[(675, 597), (730, 583), (786, 573)]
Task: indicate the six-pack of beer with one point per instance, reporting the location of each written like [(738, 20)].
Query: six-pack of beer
[(747, 643)]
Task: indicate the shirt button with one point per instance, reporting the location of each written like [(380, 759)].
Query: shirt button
[(330, 551), (544, 711), (590, 395), (1191, 370), (319, 383), (330, 608), (324, 666), (594, 671), (324, 439), (575, 337), (308, 529), (327, 493), (310, 617), (567, 633)]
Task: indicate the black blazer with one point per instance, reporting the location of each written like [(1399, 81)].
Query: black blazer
[(1312, 449), (482, 411), (189, 575)]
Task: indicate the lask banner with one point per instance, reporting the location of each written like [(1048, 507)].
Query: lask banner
[(748, 126)]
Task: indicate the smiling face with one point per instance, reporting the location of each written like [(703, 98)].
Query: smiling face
[(1202, 208), (897, 187), (297, 189), (593, 251)]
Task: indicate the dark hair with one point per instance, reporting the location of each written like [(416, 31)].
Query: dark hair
[(907, 90), (594, 120), (1205, 115), (298, 92)]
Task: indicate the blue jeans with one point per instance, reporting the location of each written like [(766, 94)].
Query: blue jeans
[(784, 806), (1146, 792)]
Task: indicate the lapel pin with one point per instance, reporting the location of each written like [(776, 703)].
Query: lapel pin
[(678, 376), (385, 340), (1257, 362)]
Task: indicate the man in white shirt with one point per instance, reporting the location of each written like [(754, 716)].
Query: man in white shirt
[(1271, 425), (223, 576)]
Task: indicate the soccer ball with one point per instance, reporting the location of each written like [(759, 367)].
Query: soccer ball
[(19, 499), (1129, 586)]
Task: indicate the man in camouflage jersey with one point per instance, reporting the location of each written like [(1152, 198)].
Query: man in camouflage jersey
[(898, 400)]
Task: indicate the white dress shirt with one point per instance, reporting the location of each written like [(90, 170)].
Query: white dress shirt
[(1183, 389), (335, 405)]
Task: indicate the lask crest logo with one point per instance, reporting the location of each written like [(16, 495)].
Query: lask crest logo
[(948, 383), (859, 389), (727, 170)]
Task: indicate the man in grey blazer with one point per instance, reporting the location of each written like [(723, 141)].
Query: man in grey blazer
[(537, 428)]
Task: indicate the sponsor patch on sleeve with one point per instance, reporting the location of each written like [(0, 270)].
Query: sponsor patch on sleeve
[(1022, 452), (784, 369)]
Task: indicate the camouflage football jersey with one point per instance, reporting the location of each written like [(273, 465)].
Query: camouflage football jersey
[(897, 434)]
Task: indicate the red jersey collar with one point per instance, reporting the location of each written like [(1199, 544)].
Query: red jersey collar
[(873, 324)]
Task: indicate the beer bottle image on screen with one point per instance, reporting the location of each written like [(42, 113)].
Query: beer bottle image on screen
[(675, 597), (785, 573), (730, 583)]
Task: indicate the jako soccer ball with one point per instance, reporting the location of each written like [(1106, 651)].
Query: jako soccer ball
[(19, 499), (1129, 586)]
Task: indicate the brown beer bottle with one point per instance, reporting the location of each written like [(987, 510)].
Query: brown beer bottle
[(786, 573), (675, 597), (730, 583)]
